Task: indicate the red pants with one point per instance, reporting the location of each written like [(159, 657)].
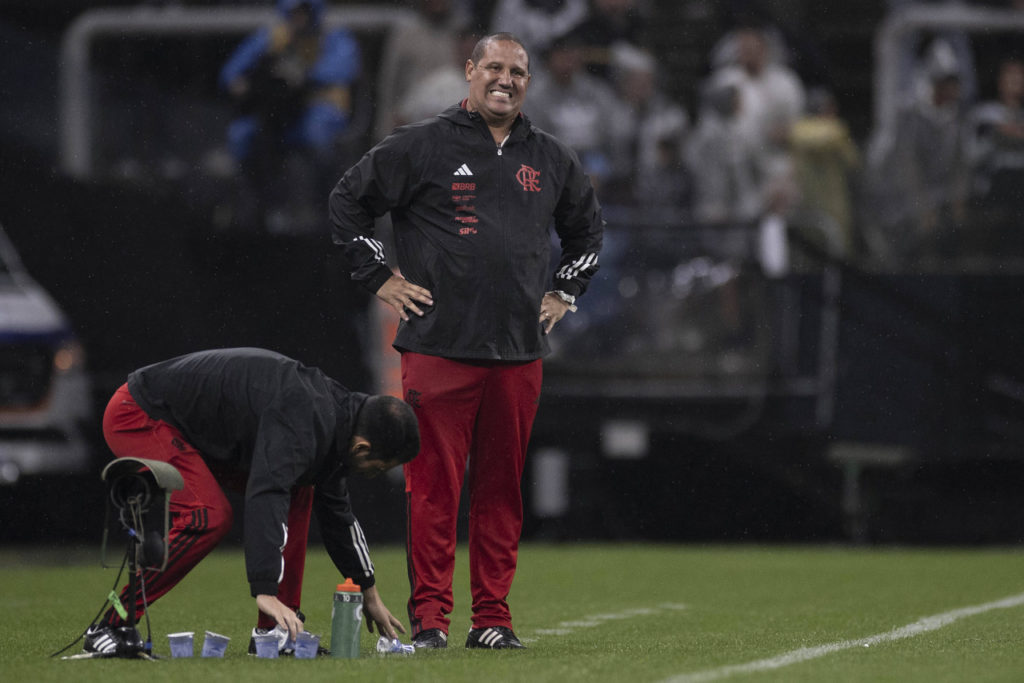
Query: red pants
[(485, 412), (200, 512)]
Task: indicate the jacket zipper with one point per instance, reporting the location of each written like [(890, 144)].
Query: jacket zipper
[(506, 239)]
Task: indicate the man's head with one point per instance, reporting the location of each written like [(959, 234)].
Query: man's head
[(634, 71), (498, 73), (434, 11), (943, 69), (386, 435), (565, 58), (301, 15), (1011, 80), (752, 50)]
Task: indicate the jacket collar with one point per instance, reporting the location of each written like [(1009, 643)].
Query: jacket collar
[(458, 114)]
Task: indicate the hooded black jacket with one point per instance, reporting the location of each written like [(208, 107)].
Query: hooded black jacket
[(471, 222), (284, 424)]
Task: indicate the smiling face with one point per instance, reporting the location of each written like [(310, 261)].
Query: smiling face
[(498, 81)]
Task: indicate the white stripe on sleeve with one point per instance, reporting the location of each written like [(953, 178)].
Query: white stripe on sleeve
[(362, 550), (375, 246), (284, 528), (571, 270)]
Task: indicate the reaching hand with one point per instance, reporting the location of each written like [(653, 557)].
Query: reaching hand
[(285, 617), (377, 613)]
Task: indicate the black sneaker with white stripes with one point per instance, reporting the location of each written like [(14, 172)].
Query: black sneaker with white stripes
[(107, 641), (493, 638), (430, 639)]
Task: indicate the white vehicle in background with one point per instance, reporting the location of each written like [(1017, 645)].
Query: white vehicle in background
[(45, 400)]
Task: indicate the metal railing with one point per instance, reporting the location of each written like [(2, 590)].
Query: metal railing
[(899, 25), (76, 154)]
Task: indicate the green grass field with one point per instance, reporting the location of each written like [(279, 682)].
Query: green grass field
[(587, 612)]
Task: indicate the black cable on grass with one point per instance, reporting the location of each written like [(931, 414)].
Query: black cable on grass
[(117, 582), (137, 519)]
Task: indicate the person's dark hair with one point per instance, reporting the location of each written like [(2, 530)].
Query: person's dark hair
[(390, 425), (481, 45)]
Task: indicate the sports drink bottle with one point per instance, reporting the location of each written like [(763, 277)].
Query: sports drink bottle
[(346, 618)]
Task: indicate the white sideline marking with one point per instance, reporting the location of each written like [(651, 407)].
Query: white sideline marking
[(564, 628), (923, 625)]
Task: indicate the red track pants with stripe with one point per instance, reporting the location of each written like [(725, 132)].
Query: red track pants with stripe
[(483, 411), (200, 512)]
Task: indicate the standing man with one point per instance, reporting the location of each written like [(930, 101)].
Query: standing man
[(289, 436), (472, 193)]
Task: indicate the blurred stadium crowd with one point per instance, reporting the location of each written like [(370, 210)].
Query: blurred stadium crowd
[(727, 140), (755, 133)]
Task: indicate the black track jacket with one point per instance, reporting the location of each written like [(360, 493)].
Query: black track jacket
[(281, 422), (471, 223)]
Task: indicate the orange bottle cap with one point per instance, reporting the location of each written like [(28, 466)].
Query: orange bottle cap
[(349, 587)]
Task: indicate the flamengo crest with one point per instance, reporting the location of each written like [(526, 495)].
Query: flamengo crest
[(529, 178)]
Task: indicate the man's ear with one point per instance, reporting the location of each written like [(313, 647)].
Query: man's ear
[(359, 446)]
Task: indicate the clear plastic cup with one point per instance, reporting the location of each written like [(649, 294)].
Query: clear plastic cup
[(181, 643), (214, 644), (266, 645), (306, 645), (389, 646)]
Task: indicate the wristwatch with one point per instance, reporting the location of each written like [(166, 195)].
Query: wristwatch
[(567, 298)]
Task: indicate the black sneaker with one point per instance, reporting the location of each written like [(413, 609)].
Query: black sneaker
[(493, 638), (430, 639), (108, 641)]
